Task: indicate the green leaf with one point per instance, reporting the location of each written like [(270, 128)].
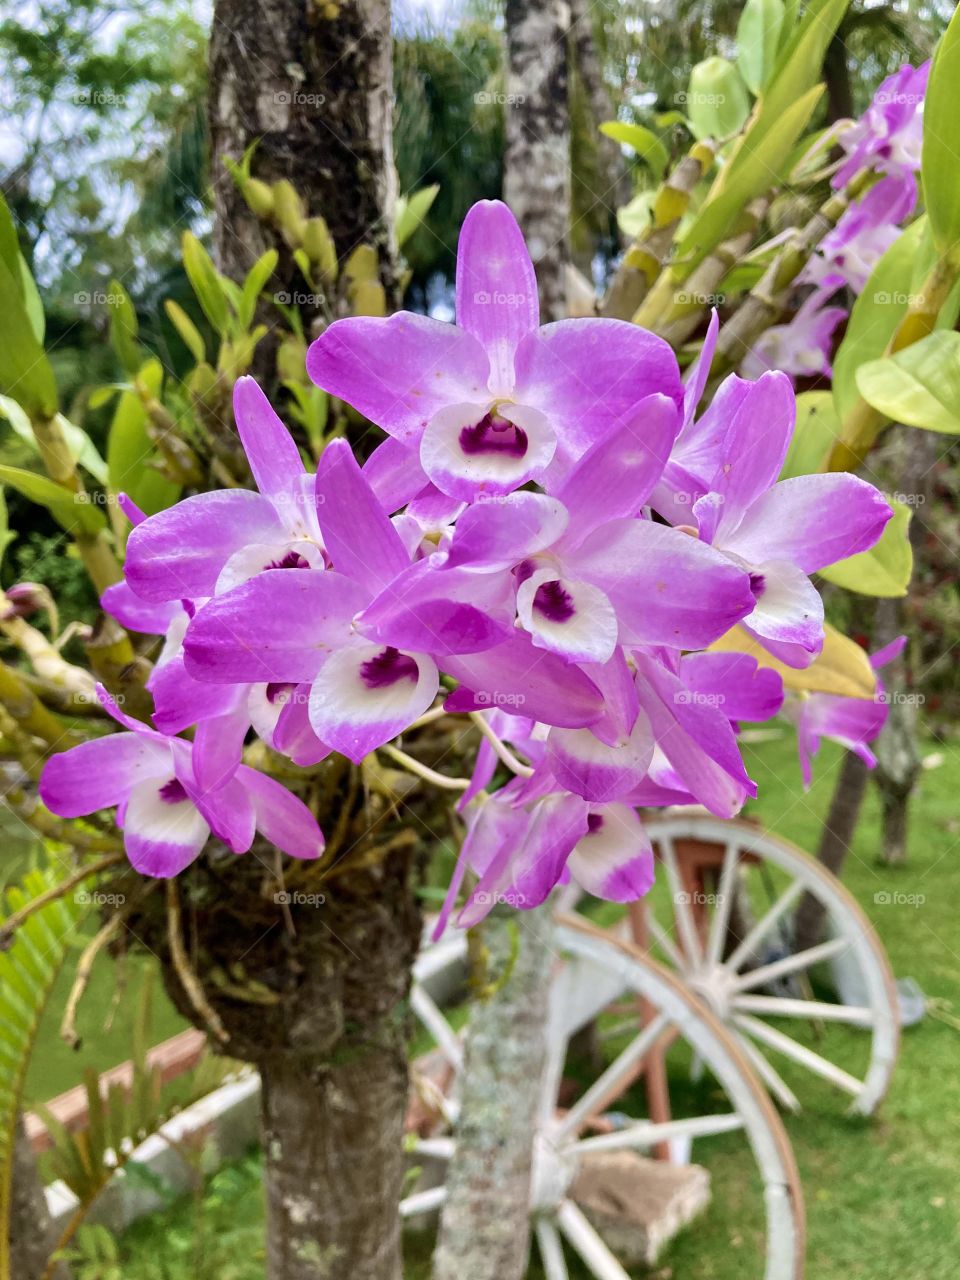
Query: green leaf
[(643, 141), (754, 167), (878, 311), (939, 170), (716, 99), (919, 385), (816, 429), (25, 371), (885, 569), (6, 534), (758, 39), (82, 449), (411, 211), (257, 277), (799, 65), (206, 282), (124, 328), (187, 330), (77, 513), (130, 450)]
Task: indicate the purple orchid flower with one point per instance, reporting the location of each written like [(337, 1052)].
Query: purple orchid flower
[(209, 543), (853, 722), (164, 811), (801, 348), (889, 134), (778, 532), (494, 402)]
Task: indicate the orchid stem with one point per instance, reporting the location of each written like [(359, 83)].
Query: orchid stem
[(422, 770), (500, 747)]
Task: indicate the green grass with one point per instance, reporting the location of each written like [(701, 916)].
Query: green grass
[(880, 1194)]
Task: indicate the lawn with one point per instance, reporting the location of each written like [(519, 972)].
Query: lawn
[(881, 1195)]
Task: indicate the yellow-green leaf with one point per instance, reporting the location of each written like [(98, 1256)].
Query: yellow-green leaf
[(919, 385), (939, 170), (411, 211), (187, 330), (206, 282), (816, 429), (758, 39), (641, 140), (842, 668)]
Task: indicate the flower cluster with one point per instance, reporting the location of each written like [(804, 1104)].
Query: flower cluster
[(550, 533), (887, 140)]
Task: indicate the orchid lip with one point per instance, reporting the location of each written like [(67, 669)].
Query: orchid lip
[(388, 667), (494, 435), (554, 602), (173, 792)]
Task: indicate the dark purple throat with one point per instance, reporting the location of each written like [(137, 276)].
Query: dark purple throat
[(757, 584), (292, 560), (494, 435), (172, 792), (554, 602), (594, 822), (387, 668)]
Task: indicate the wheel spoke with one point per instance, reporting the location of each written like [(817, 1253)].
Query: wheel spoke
[(790, 964), (764, 925), (617, 1077), (427, 1010), (686, 924), (435, 1148), (783, 1007), (770, 1076), (551, 1250), (664, 941), (591, 1248), (718, 925), (422, 1202), (645, 1134), (775, 1039)]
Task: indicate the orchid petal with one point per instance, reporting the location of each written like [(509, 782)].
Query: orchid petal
[(400, 371), (595, 770), (179, 553), (567, 617), (100, 773), (274, 458), (281, 817), (500, 533), (276, 627), (163, 831), (614, 860)]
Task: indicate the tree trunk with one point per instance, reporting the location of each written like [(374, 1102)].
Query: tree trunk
[(615, 189), (835, 841), (485, 1227), (32, 1238), (536, 179), (333, 1147), (307, 967), (897, 749), (836, 73), (311, 84)]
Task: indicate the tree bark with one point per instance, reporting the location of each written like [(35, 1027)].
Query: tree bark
[(311, 84), (485, 1226), (307, 967), (31, 1235), (615, 192), (835, 841), (897, 749), (536, 181)]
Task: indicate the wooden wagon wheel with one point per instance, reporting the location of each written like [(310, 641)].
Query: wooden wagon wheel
[(599, 970), (706, 862)]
